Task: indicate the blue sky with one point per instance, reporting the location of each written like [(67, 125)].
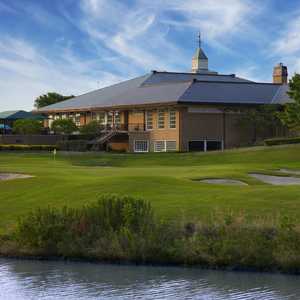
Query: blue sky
[(74, 46)]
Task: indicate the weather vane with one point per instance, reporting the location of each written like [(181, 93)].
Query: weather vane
[(199, 38)]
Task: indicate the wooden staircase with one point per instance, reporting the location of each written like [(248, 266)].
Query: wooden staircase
[(99, 141)]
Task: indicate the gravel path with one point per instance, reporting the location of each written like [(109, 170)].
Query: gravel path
[(276, 180), (11, 176), (224, 181)]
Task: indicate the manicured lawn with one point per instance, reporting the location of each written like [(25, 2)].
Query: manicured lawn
[(163, 179)]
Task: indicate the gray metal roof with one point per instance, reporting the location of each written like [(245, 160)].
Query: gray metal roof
[(235, 93), (166, 87), (200, 54), (18, 114), (161, 77)]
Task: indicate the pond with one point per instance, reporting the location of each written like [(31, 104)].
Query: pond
[(26, 279)]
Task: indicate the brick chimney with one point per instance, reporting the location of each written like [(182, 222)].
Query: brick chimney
[(280, 74)]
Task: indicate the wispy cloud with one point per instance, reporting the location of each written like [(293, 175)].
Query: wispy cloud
[(92, 41), (139, 32), (287, 44), (26, 73)]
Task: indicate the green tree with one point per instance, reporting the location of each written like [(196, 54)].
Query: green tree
[(50, 98), (290, 116), (262, 119), (64, 126), (92, 128), (27, 126)]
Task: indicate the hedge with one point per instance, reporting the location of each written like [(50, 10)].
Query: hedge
[(4, 147), (73, 145), (282, 141)]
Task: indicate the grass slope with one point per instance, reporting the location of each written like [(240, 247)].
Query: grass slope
[(163, 179)]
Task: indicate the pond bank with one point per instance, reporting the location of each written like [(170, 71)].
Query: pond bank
[(125, 230)]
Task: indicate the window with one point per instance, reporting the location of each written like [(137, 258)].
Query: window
[(77, 119), (205, 145), (141, 146), (214, 145), (101, 117), (161, 119), (110, 118), (172, 119), (171, 146), (117, 118), (159, 146), (149, 120), (165, 146), (195, 146)]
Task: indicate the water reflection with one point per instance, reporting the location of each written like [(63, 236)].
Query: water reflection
[(22, 279)]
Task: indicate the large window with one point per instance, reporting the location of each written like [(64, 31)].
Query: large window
[(205, 145), (171, 146), (165, 146), (159, 146), (214, 145), (197, 146), (141, 146), (149, 120), (172, 119), (99, 116), (161, 119)]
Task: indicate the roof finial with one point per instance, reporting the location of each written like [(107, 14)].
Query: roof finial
[(199, 38)]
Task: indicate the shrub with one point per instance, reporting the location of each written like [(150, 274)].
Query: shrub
[(27, 126), (63, 126), (92, 128), (111, 218), (122, 228), (282, 141), (73, 145)]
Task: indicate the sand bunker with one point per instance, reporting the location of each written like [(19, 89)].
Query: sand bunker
[(276, 180), (11, 176), (223, 181)]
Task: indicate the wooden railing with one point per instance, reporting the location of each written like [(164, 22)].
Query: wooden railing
[(124, 127)]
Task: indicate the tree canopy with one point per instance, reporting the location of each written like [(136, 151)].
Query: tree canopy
[(64, 126), (261, 118), (50, 98), (92, 128), (27, 126), (290, 116)]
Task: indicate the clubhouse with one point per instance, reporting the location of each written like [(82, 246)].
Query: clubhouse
[(169, 111)]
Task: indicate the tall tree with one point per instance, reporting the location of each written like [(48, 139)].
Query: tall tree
[(290, 116), (50, 98), (261, 119), (64, 126), (27, 126)]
